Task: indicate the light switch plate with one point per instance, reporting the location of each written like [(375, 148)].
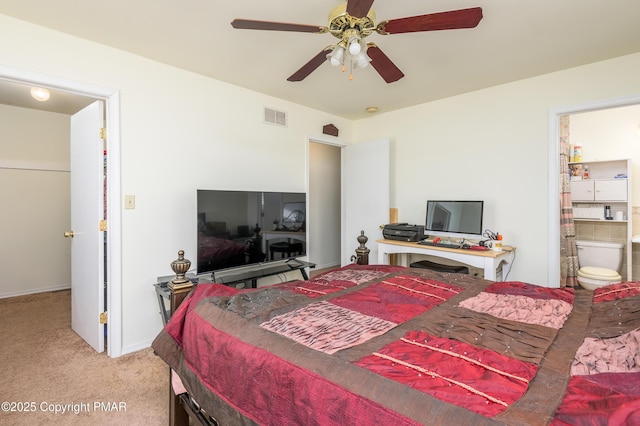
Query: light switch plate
[(129, 201)]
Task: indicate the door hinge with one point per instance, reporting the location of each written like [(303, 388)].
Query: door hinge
[(103, 317), (103, 225), (103, 133)]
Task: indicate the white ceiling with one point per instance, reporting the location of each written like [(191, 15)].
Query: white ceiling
[(514, 40)]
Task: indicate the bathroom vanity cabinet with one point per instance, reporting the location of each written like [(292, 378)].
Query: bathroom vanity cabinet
[(605, 187)]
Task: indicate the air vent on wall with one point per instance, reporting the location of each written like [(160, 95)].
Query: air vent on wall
[(275, 117)]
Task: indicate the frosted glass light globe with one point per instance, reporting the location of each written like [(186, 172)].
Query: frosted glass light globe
[(354, 46)]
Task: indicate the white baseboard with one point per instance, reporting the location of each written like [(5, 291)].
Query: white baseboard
[(33, 291)]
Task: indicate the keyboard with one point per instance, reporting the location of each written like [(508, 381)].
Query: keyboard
[(442, 244)]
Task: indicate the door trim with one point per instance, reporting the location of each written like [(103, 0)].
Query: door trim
[(111, 97), (553, 260)]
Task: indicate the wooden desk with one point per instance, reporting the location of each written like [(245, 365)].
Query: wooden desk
[(487, 260)]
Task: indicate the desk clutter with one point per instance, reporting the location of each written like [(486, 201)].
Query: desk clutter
[(438, 242), (493, 240), (415, 233)]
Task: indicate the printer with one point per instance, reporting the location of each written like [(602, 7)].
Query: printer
[(403, 232)]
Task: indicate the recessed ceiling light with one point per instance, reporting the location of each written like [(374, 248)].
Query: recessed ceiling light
[(372, 109), (40, 94)]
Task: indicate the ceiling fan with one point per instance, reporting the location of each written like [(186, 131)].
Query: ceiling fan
[(353, 21)]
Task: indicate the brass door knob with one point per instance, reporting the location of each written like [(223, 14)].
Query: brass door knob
[(68, 234)]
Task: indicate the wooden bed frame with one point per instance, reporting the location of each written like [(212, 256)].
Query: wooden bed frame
[(182, 407), (179, 405)]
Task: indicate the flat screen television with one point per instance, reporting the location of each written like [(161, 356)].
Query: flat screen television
[(455, 219), (231, 225)]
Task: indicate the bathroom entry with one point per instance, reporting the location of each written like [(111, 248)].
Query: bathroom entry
[(610, 134)]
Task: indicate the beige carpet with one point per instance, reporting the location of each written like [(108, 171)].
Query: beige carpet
[(46, 366)]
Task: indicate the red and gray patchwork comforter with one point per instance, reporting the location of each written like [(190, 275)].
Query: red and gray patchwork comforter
[(389, 345)]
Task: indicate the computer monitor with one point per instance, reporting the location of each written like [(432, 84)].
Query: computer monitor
[(454, 219)]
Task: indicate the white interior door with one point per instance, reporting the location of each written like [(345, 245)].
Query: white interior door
[(87, 209), (365, 202)]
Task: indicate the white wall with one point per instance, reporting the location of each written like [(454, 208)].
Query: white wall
[(493, 144), (35, 213), (179, 131)]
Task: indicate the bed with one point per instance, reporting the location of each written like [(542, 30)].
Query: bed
[(380, 344)]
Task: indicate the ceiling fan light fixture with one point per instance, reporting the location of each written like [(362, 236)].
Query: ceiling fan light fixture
[(336, 57), (355, 46), (361, 60), (40, 94), (354, 20)]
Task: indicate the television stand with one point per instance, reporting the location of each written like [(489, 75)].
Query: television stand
[(253, 272), (227, 276)]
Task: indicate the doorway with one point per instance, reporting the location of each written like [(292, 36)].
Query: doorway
[(364, 196), (112, 194), (324, 193), (553, 277)]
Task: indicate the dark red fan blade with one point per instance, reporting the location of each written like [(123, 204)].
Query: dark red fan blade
[(381, 62), (359, 8), (451, 20), (309, 67), (247, 24)]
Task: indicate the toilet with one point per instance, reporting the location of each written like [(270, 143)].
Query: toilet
[(599, 263)]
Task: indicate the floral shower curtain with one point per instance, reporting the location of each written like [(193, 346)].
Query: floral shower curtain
[(568, 251)]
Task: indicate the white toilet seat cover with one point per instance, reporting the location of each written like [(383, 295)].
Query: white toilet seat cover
[(598, 273)]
